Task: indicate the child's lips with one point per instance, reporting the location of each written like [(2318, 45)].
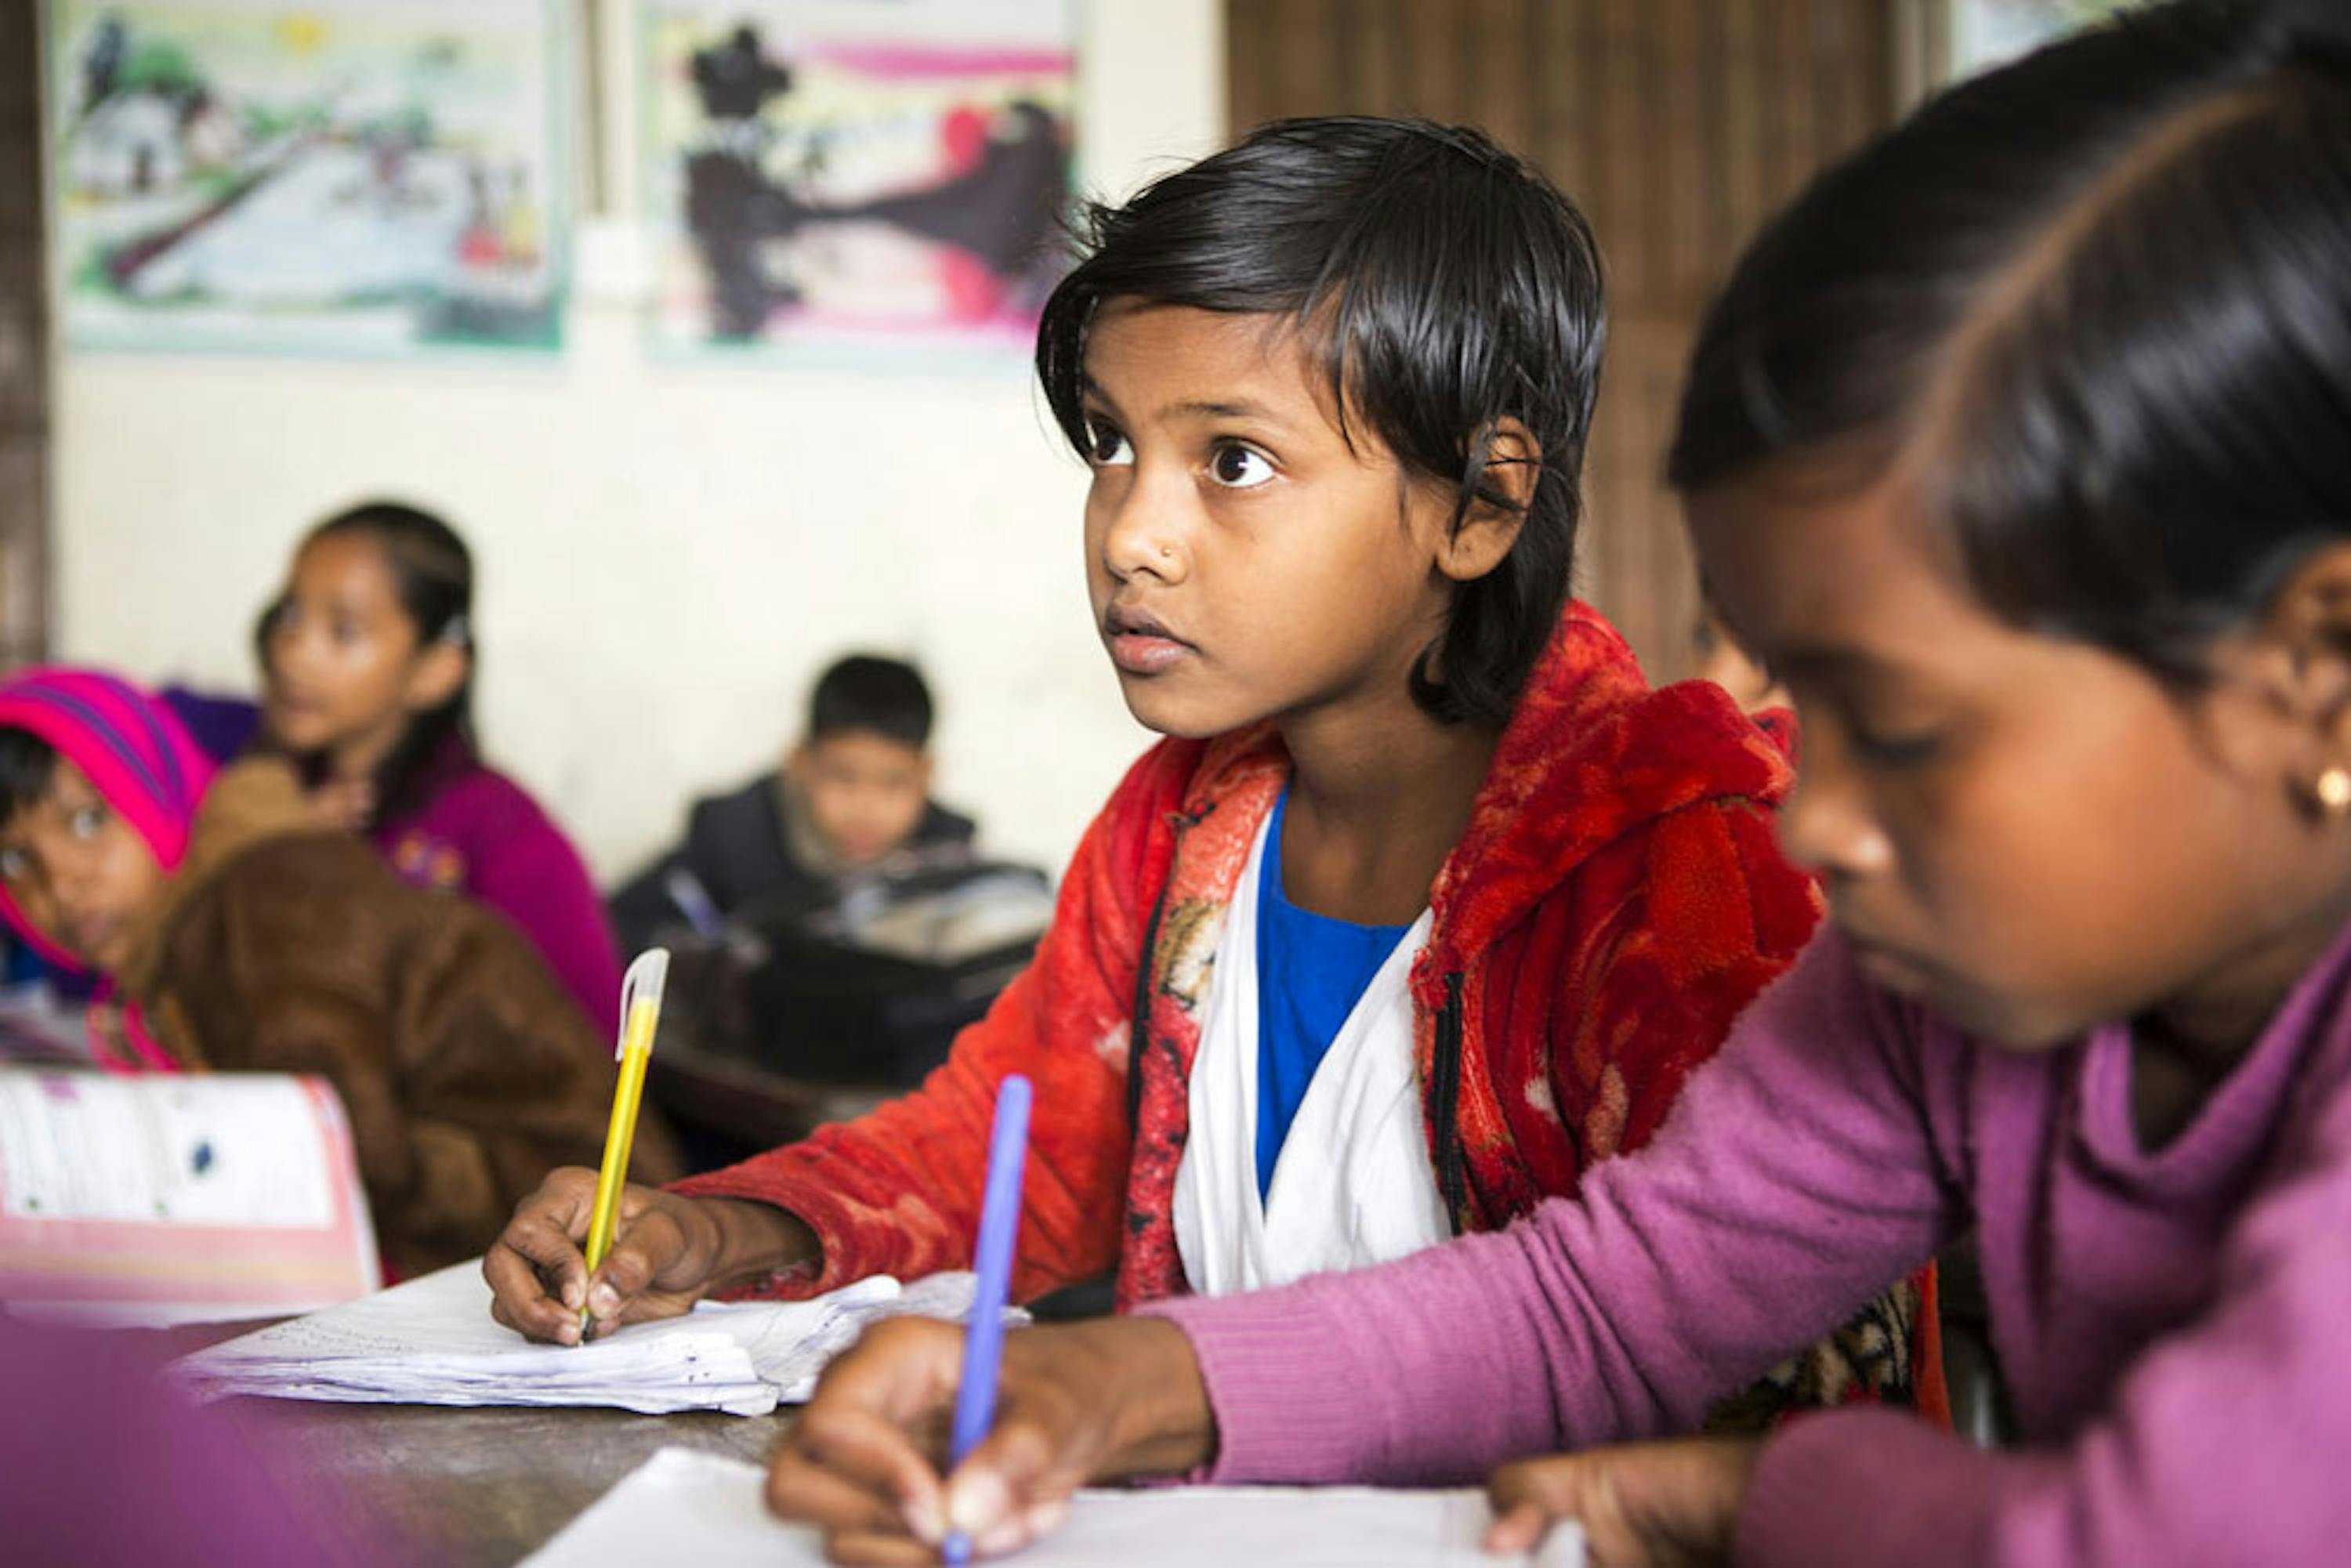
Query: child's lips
[(288, 705), (1139, 654), (1139, 646)]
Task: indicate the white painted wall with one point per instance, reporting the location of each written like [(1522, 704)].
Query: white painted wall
[(667, 553)]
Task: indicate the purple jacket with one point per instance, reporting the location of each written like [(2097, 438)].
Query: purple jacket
[(478, 833), (2172, 1324)]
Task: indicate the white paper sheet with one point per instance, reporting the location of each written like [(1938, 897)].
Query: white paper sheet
[(432, 1341), (681, 1506)]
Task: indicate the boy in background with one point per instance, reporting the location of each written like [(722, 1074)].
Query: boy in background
[(854, 795)]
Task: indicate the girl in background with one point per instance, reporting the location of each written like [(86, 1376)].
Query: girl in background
[(237, 936), (368, 662)]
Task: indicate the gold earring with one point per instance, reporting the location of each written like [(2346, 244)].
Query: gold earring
[(2333, 790)]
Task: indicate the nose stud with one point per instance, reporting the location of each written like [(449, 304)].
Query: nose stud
[(2333, 791)]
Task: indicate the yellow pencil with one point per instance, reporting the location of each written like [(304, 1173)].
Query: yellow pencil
[(640, 1000)]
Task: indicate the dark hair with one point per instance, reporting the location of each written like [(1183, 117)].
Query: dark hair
[(2100, 301), (1449, 287), (433, 576), (28, 767), (884, 696)]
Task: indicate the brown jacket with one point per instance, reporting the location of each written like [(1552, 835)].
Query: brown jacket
[(467, 1069)]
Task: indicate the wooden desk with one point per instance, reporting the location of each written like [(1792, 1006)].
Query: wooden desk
[(386, 1486), (398, 1484)]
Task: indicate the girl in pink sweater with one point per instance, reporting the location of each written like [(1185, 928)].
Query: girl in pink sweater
[(2020, 450)]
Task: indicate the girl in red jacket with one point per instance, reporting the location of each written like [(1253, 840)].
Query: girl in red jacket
[(1427, 901)]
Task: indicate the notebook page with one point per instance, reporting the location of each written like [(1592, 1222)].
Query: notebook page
[(685, 1506)]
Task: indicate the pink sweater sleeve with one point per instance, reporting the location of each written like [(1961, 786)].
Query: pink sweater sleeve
[(1680, 1273), (1798, 1174), (2226, 1442)]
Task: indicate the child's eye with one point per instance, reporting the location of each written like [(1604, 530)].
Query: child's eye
[(1896, 751), (1106, 448), (1239, 468), (86, 821), (13, 864)]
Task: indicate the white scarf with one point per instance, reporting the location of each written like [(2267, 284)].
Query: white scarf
[(1353, 1186)]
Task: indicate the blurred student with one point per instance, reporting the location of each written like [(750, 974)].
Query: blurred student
[(235, 934), (852, 796), (368, 662)]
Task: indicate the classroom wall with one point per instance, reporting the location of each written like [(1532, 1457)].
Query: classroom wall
[(668, 552)]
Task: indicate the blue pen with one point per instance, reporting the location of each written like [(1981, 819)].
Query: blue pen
[(983, 1345), (693, 901)]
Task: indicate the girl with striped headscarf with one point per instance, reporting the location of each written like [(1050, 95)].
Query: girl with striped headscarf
[(237, 936)]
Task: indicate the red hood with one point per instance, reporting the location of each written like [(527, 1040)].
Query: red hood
[(1591, 752)]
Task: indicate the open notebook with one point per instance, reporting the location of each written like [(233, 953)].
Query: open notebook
[(706, 1509), (177, 1198), (432, 1341)]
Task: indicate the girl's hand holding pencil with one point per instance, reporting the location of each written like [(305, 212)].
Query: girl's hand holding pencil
[(668, 1253), (587, 1252)]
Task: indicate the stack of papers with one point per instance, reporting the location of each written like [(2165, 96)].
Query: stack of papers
[(432, 1341), (706, 1509)]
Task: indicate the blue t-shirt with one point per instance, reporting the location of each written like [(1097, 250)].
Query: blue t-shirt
[(1311, 972)]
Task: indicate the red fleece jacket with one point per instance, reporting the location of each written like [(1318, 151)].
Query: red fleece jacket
[(1616, 900)]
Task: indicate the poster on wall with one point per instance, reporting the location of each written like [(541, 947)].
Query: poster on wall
[(1984, 33), (328, 176), (841, 182)]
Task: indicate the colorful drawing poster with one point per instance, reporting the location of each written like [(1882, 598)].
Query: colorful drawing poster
[(834, 179), (1985, 33), (333, 176)]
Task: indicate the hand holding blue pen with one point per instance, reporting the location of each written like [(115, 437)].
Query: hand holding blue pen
[(999, 1227)]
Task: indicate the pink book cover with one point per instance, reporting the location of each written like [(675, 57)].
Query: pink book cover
[(178, 1197)]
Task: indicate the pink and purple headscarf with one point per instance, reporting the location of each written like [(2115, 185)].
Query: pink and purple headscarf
[(135, 751)]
